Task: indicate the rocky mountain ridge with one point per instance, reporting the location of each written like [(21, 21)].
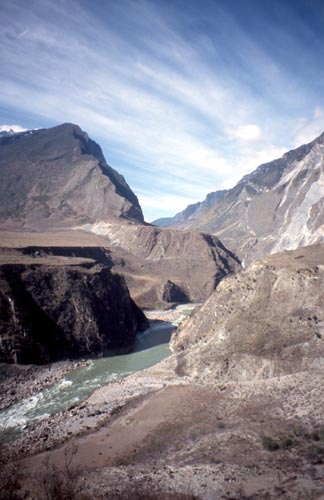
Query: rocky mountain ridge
[(58, 177), (279, 206)]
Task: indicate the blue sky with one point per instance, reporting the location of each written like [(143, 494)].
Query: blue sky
[(184, 97)]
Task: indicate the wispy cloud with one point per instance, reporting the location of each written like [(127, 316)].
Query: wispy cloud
[(23, 33), (179, 109)]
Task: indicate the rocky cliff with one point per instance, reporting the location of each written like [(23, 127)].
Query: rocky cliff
[(277, 207), (265, 321), (58, 177), (58, 306)]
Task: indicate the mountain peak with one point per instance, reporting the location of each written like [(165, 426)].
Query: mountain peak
[(58, 177)]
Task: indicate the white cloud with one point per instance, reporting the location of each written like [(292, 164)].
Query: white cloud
[(14, 128), (246, 133)]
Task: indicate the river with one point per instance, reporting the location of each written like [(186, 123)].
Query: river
[(151, 346)]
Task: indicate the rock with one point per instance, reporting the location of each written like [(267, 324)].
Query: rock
[(266, 321), (170, 292), (51, 312)]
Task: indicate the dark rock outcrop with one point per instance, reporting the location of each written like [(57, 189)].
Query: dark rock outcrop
[(279, 206), (266, 321), (170, 292), (58, 177), (50, 312)]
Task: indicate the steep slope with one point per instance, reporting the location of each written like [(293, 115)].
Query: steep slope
[(265, 321), (58, 177), (167, 265), (279, 206), (62, 302)]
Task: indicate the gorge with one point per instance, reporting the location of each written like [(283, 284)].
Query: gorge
[(236, 410)]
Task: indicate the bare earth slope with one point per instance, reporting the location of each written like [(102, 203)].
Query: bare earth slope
[(277, 207)]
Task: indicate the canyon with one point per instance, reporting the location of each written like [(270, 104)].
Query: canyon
[(235, 412)]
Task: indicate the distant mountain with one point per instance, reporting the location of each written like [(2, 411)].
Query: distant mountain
[(191, 210), (58, 177), (279, 206)]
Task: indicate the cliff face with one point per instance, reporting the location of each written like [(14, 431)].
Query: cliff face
[(265, 321), (277, 207), (58, 177), (54, 310)]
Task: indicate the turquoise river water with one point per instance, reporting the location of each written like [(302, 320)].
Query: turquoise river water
[(151, 346)]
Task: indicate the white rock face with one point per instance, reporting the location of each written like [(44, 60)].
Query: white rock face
[(280, 206)]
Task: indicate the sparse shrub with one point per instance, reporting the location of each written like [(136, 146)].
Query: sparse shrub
[(285, 442), (272, 444), (221, 424), (318, 434), (315, 455), (299, 430), (9, 479), (116, 409), (269, 443), (144, 494), (62, 484)]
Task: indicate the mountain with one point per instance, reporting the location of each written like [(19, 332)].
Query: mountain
[(279, 206), (58, 177), (56, 181)]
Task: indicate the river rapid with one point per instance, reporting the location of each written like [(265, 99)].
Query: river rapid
[(151, 346)]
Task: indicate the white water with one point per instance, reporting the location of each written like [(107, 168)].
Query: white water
[(151, 346)]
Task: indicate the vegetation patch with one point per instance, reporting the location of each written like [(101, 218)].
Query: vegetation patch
[(271, 444)]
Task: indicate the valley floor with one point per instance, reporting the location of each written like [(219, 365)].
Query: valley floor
[(166, 435)]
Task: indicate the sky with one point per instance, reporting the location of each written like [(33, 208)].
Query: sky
[(184, 96)]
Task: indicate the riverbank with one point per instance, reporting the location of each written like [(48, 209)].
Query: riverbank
[(29, 387)]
